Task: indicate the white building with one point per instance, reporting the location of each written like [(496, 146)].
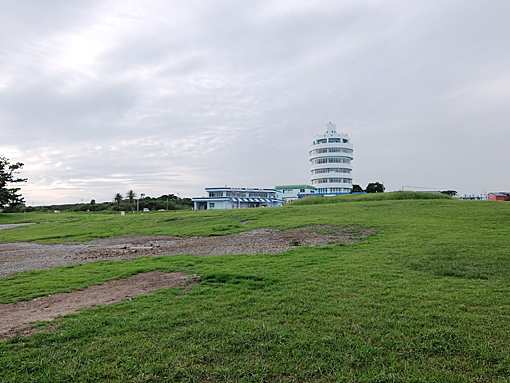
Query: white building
[(293, 192), (236, 198), (331, 154)]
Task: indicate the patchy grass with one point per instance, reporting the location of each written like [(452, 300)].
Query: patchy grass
[(425, 300)]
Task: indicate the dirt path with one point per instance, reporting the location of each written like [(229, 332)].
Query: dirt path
[(23, 256), (14, 317)]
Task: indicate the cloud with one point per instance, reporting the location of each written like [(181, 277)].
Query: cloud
[(103, 97)]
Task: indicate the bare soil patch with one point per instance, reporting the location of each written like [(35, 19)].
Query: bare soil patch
[(15, 316), (11, 225), (23, 256)]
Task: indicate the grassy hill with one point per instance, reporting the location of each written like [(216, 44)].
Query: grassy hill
[(424, 300)]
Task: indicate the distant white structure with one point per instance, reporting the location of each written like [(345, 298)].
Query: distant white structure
[(289, 193), (236, 198), (331, 154)]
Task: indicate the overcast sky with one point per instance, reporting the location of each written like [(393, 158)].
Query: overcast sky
[(100, 97)]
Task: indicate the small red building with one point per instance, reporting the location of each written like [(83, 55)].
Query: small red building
[(501, 196)]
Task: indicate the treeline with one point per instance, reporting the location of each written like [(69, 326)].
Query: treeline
[(372, 187), (165, 202)]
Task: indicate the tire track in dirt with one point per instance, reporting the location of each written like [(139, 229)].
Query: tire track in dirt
[(15, 316)]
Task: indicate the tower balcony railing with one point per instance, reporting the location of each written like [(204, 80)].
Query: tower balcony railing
[(332, 145), (329, 152), (332, 164), (331, 184), (331, 175), (331, 155)]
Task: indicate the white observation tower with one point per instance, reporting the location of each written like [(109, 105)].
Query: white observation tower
[(331, 154)]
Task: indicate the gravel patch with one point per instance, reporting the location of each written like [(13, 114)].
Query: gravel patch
[(22, 256), (11, 225)]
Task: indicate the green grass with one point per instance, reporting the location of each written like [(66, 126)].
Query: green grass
[(85, 226), (424, 300), (399, 195)]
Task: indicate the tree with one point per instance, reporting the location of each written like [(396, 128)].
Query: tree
[(118, 199), (9, 197), (451, 193), (131, 195), (375, 187), (356, 189)]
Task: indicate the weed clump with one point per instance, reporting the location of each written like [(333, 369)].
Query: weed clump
[(295, 242)]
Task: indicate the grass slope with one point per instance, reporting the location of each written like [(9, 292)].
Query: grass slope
[(425, 300)]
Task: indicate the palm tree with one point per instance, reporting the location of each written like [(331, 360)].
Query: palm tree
[(118, 199), (131, 195)]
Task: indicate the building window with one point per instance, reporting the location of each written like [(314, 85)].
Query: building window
[(301, 190), (320, 181), (211, 205), (340, 150), (333, 160), (236, 194), (331, 170), (332, 180), (258, 195), (339, 190), (216, 194)]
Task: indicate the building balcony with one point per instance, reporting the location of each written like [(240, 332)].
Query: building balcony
[(331, 145), (332, 165), (333, 184)]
